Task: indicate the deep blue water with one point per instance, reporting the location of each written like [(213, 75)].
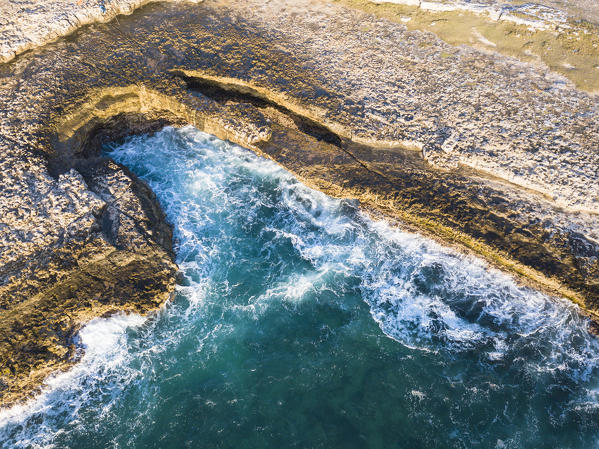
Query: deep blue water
[(302, 323)]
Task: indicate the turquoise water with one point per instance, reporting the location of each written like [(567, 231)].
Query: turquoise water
[(302, 323)]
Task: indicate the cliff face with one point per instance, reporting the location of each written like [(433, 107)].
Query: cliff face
[(477, 150)]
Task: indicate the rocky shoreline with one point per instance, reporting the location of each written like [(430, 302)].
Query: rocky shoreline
[(447, 140)]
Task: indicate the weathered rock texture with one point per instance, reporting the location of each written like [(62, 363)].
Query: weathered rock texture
[(75, 244), (347, 101), (27, 24), (459, 105)]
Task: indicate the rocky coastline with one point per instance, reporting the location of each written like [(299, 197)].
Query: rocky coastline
[(447, 140)]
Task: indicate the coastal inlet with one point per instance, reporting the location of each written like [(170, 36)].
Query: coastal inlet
[(299, 321)]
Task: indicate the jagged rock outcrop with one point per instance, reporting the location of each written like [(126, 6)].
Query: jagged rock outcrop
[(81, 243)]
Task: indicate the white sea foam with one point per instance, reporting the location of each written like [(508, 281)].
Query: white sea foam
[(105, 350), (391, 262)]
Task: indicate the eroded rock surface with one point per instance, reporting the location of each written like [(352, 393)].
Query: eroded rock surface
[(76, 245), (27, 24), (458, 104), (347, 101)]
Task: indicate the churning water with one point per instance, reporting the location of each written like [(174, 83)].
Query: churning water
[(300, 322)]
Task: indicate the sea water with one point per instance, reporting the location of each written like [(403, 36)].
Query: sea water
[(300, 322)]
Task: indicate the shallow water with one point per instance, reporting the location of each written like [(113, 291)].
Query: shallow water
[(556, 11), (301, 322)]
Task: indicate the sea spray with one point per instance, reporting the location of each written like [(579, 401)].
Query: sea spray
[(104, 343)]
